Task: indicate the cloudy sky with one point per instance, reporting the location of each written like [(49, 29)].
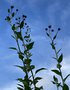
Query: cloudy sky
[(40, 14)]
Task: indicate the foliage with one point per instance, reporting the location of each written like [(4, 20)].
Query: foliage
[(21, 34), (59, 58), (30, 80)]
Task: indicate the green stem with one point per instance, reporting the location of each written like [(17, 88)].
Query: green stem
[(19, 50), (59, 68), (28, 58), (57, 59)]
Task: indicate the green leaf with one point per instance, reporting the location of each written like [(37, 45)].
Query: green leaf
[(20, 85), (41, 88), (20, 55), (21, 67), (56, 71), (13, 36), (19, 36), (13, 27), (20, 88), (27, 61), (54, 58), (25, 51), (32, 67), (55, 79), (60, 58), (58, 51), (37, 79), (20, 79), (53, 82), (30, 45), (54, 37), (66, 77), (13, 14), (39, 70), (22, 24), (38, 88), (13, 48), (53, 46), (26, 83), (65, 87), (28, 36), (47, 34), (8, 10), (8, 18)]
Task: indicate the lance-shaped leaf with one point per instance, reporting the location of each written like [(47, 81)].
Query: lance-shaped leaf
[(55, 79), (39, 88), (53, 82), (38, 70), (23, 82), (13, 14), (22, 24), (37, 79), (20, 56), (30, 45), (28, 36), (32, 67), (66, 77), (13, 27), (8, 18), (8, 10), (21, 67), (19, 36), (13, 36), (20, 79), (48, 34), (20, 85), (53, 46), (56, 71), (54, 58), (60, 58), (20, 88), (54, 37), (13, 48), (58, 51)]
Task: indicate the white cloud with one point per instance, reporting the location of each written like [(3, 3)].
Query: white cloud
[(66, 68), (46, 81), (48, 75), (66, 64)]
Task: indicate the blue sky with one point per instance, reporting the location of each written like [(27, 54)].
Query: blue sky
[(40, 14)]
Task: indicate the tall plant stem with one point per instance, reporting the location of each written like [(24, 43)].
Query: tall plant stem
[(28, 58), (59, 68)]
